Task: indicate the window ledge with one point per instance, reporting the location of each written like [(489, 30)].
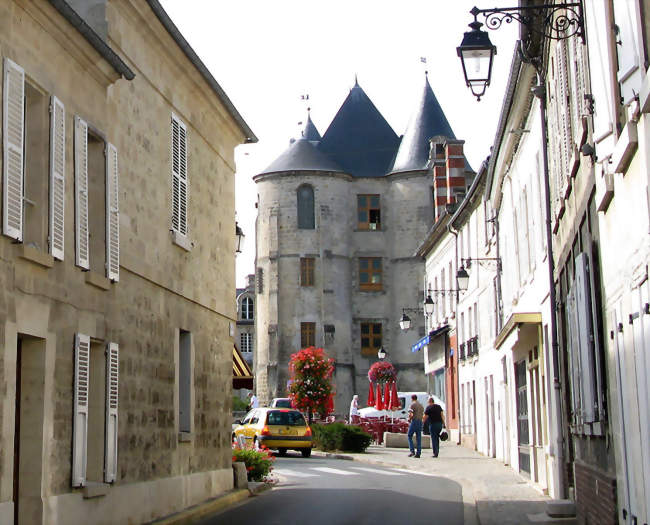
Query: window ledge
[(185, 437), (182, 241), (98, 281), (625, 148), (36, 256), (95, 489)]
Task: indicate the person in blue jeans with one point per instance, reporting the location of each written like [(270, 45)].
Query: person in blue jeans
[(434, 419), (415, 427)]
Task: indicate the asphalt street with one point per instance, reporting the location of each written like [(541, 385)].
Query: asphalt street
[(332, 492)]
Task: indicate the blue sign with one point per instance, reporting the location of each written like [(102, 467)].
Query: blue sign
[(420, 344)]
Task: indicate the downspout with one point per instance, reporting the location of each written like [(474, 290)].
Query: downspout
[(455, 234), (540, 92)]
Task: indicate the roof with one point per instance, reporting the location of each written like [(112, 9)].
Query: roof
[(310, 132), (428, 120), (302, 155), (359, 139), (171, 28)]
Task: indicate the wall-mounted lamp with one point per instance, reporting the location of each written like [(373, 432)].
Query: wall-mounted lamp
[(462, 275), (239, 236), (405, 321), (381, 354)]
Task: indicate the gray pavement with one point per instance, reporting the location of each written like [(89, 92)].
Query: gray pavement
[(493, 493)]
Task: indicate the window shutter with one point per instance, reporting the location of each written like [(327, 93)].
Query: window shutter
[(564, 111), (112, 383), (81, 193), (628, 46), (574, 342), (112, 215), (57, 178), (600, 69), (179, 176), (80, 423), (13, 133)]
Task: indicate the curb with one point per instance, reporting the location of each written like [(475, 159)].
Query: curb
[(212, 506)]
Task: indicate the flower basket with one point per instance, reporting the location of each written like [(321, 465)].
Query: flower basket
[(382, 372)]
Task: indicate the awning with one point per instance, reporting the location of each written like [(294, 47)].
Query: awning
[(515, 322), (427, 338), (435, 351), (242, 375)]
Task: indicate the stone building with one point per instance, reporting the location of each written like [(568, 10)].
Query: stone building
[(245, 335), (339, 220), (118, 193)]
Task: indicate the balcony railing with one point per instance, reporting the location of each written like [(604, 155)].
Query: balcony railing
[(462, 352), (472, 346)]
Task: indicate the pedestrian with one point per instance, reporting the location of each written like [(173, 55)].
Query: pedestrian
[(252, 401), (415, 426), (434, 419), (354, 409)]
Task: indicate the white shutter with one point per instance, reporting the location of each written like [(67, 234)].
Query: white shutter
[(57, 178), (13, 133), (564, 111), (112, 383), (80, 423), (574, 351), (81, 193), (179, 176), (112, 215), (600, 70), (628, 48)]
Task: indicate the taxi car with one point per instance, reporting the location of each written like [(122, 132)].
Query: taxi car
[(278, 429)]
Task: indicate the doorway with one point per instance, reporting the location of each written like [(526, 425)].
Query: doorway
[(28, 430), (523, 431)]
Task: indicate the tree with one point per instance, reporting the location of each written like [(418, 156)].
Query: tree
[(310, 389)]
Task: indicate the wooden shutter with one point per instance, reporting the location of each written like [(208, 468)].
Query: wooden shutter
[(564, 111), (574, 352), (13, 133), (598, 29), (628, 48), (82, 255), (80, 423), (112, 215), (57, 178), (179, 176), (112, 384)]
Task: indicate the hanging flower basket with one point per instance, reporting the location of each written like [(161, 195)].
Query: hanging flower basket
[(382, 372)]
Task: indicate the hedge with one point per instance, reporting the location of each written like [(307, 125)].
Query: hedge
[(338, 436)]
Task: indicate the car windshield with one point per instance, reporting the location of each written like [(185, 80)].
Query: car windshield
[(283, 403), (282, 417)]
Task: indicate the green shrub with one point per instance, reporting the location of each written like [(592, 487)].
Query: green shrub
[(238, 404), (259, 463), (338, 436)]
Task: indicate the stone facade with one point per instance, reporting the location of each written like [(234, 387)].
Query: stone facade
[(245, 336), (173, 329)]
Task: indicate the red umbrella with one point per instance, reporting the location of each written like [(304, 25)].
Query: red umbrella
[(394, 400), (330, 403), (379, 405), (371, 395), (386, 396)]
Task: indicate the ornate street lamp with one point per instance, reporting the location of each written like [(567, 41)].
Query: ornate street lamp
[(463, 279), (239, 234), (429, 305), (405, 322), (381, 354), (476, 54)]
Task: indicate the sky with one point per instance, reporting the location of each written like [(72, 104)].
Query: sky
[(268, 54)]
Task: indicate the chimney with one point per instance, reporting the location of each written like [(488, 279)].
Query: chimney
[(455, 167)]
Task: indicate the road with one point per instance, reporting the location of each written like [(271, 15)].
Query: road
[(332, 492)]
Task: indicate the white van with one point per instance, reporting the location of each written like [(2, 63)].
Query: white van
[(405, 403)]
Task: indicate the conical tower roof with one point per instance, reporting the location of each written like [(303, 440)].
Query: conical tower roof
[(310, 132), (359, 138), (428, 120), (302, 155)]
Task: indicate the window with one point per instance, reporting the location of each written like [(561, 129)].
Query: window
[(179, 176), (97, 236), (33, 164), (247, 309), (285, 418), (306, 271), (94, 453), (443, 303), (184, 381), (246, 343), (307, 335), (306, 207), (371, 334), (368, 212), (370, 273)]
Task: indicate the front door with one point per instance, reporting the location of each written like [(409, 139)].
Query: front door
[(523, 432)]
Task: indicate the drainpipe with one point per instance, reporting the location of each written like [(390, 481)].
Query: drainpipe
[(455, 234), (540, 92)]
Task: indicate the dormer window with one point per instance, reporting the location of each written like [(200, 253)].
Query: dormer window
[(368, 212), (247, 310)]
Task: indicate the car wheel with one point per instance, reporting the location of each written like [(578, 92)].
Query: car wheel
[(306, 452), (282, 452)]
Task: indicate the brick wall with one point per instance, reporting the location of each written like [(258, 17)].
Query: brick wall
[(595, 496)]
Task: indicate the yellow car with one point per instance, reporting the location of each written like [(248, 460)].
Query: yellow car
[(279, 429)]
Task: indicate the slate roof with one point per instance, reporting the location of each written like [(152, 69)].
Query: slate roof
[(302, 155), (359, 139), (428, 120), (310, 132)]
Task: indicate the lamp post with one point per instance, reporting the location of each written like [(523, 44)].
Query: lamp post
[(239, 236)]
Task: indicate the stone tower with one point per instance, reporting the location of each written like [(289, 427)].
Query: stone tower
[(339, 220)]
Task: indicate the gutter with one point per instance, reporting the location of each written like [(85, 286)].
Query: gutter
[(93, 38), (171, 28)]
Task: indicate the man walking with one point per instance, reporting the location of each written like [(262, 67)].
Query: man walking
[(415, 426), (433, 418)]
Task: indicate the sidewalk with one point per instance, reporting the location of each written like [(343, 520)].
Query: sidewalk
[(493, 493)]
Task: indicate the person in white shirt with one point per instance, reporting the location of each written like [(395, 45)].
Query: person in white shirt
[(354, 409), (252, 401)]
